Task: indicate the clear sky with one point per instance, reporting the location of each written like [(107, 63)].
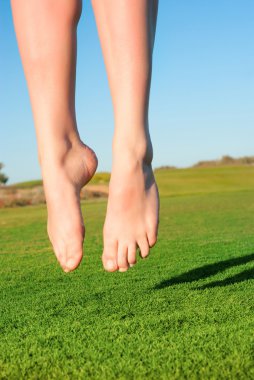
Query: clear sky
[(202, 97)]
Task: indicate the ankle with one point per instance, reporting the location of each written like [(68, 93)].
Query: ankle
[(133, 149), (56, 149)]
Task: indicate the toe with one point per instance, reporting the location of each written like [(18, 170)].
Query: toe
[(144, 248), (122, 257), (72, 263), (152, 238), (69, 257), (109, 257), (132, 248)]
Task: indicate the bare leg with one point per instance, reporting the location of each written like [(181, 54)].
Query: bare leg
[(127, 30), (46, 34)]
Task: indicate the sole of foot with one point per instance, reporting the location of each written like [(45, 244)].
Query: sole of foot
[(63, 179)]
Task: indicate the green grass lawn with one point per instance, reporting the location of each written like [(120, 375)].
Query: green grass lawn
[(100, 178), (186, 312)]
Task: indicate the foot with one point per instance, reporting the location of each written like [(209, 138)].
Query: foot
[(132, 213), (63, 178)]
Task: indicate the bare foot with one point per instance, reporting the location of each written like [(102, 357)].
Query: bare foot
[(63, 178), (132, 213)]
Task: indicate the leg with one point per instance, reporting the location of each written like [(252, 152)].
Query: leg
[(127, 30), (46, 34)]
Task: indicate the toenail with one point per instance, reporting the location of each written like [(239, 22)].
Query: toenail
[(132, 265), (123, 269), (70, 265), (110, 265)]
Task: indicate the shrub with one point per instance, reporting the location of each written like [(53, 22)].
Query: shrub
[(3, 177)]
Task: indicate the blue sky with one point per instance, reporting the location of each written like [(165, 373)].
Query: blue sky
[(202, 93)]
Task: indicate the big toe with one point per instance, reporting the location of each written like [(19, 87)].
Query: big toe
[(109, 257), (70, 261), (72, 264)]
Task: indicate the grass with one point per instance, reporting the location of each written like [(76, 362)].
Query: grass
[(27, 184), (205, 180), (100, 178), (186, 312)]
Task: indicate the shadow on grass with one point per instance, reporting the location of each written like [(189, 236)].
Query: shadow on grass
[(210, 270), (243, 276)]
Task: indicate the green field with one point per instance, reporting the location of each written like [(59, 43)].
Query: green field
[(100, 178), (186, 312)]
